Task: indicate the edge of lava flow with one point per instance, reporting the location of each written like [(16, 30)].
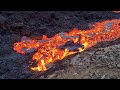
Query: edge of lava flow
[(48, 49)]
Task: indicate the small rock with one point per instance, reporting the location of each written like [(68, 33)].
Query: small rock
[(51, 76), (118, 65), (102, 77), (75, 74), (25, 38), (28, 51), (42, 77)]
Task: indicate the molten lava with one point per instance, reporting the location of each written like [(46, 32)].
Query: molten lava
[(48, 49), (116, 11)]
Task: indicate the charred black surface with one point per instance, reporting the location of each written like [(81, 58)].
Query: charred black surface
[(71, 46)]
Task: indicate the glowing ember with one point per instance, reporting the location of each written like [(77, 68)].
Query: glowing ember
[(116, 11), (49, 49)]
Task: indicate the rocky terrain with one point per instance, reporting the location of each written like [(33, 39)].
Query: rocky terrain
[(102, 63), (99, 62)]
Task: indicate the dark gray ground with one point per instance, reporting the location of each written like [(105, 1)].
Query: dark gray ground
[(88, 64)]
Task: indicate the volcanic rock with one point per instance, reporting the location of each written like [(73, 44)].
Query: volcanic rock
[(51, 76), (42, 77), (24, 38), (97, 63), (91, 64), (118, 65), (2, 19)]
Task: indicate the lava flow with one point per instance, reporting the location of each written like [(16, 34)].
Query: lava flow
[(116, 11), (63, 44)]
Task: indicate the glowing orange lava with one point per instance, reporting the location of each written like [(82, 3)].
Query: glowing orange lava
[(116, 11), (48, 49)]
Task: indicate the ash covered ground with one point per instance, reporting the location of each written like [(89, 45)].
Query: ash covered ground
[(99, 62)]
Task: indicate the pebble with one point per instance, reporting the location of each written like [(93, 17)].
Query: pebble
[(75, 74), (25, 38), (42, 77), (118, 65), (51, 76), (102, 77)]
